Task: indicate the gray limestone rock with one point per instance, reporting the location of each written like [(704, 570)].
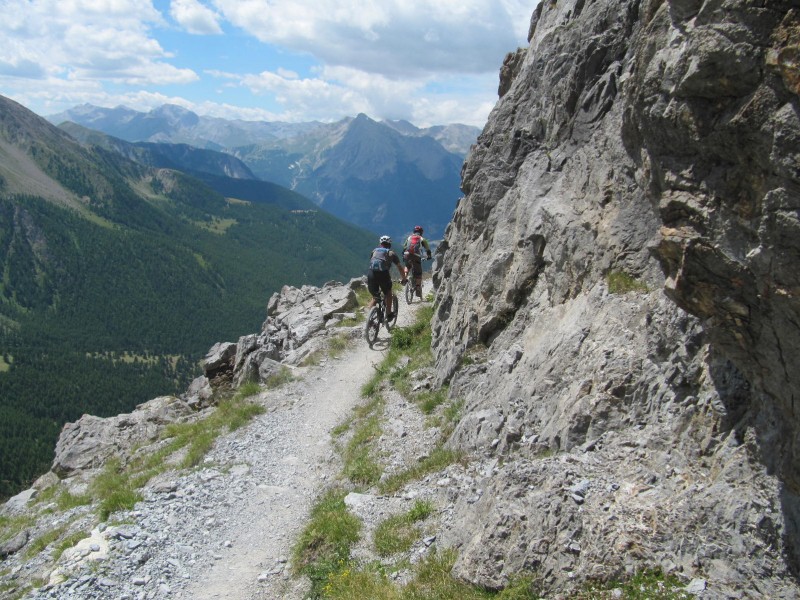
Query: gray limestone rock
[(14, 545), (90, 441), (616, 300)]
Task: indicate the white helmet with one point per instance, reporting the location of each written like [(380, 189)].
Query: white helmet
[(385, 239)]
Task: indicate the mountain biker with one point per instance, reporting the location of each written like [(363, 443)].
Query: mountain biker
[(412, 254), (378, 276)]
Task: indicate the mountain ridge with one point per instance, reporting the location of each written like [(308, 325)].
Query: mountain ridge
[(401, 176)]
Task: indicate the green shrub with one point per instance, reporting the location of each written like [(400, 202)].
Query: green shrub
[(620, 282), (323, 547), (35, 546), (115, 490), (336, 345), (399, 532), (439, 458), (645, 585), (282, 377)]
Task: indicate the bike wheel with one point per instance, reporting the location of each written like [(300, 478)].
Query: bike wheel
[(396, 306), (409, 292), (372, 326)]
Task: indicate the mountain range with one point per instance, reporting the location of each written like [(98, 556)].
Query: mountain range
[(116, 274), (383, 176)]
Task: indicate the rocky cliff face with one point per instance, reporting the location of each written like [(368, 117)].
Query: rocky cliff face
[(618, 300)]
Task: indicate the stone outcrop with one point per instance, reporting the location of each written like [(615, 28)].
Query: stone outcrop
[(296, 324), (618, 300), (90, 441)]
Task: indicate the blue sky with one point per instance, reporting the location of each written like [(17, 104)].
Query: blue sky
[(430, 62)]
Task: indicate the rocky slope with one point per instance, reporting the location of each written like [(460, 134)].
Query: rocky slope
[(647, 146)]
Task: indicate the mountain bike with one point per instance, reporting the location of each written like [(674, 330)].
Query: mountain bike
[(377, 317), (410, 287)]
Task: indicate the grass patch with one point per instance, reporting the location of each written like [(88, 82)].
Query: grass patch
[(433, 580), (398, 533), (67, 500), (451, 415), (282, 377), (340, 429), (429, 401), (322, 553), (439, 458), (360, 465), (37, 545), (620, 282), (68, 542), (248, 390), (63, 499), (363, 296), (323, 547), (117, 487), (359, 318), (645, 585), (198, 437), (312, 359), (337, 345), (11, 526)]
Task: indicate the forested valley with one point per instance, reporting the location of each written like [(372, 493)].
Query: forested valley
[(107, 307)]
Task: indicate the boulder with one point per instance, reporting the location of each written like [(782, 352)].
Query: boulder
[(90, 441)]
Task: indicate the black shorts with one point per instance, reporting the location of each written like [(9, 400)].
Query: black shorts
[(379, 280), (413, 263)]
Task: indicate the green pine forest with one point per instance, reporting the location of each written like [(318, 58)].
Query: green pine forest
[(114, 303)]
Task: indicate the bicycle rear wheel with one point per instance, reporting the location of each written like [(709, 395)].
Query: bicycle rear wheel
[(409, 292), (372, 326)]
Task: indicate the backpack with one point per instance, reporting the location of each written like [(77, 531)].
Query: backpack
[(415, 245), (380, 259)]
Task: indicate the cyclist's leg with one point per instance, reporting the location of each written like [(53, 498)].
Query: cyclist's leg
[(385, 281), (373, 287), (418, 275)]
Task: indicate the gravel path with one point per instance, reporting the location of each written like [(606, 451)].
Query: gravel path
[(227, 530)]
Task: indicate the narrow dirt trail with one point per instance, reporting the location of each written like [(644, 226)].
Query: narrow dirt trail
[(285, 457)]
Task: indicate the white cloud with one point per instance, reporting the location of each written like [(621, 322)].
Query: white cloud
[(428, 62), (87, 39), (395, 38), (338, 92), (195, 17), (316, 98)]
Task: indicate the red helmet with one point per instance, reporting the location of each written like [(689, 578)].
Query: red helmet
[(417, 229)]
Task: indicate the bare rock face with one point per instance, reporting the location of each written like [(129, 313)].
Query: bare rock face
[(296, 324), (618, 300), (90, 441)]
